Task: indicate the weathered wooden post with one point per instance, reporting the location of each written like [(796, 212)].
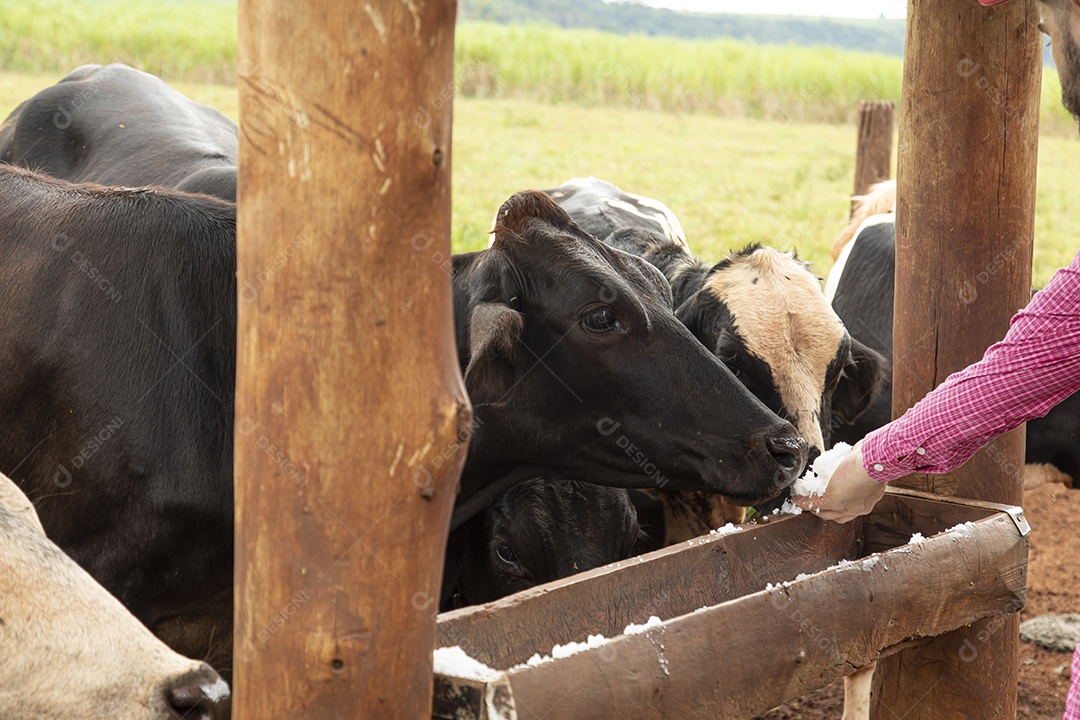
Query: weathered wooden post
[(873, 150), (966, 180), (351, 415)]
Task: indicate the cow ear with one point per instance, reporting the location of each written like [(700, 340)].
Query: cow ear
[(527, 205), (494, 331), (860, 384)]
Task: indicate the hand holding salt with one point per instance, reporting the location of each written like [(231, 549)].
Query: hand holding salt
[(837, 487)]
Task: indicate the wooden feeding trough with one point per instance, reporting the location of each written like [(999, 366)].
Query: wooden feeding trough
[(749, 619)]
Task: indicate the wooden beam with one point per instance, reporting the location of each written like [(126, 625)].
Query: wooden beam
[(965, 217), (873, 150), (739, 656), (351, 416), (665, 583)]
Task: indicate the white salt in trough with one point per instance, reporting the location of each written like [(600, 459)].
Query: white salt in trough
[(734, 623)]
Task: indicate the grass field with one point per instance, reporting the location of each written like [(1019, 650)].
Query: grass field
[(195, 40), (731, 181)]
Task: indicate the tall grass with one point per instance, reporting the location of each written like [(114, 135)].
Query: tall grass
[(192, 40), (195, 41), (725, 77)]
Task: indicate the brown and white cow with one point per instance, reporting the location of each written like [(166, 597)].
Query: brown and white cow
[(71, 650), (760, 310)]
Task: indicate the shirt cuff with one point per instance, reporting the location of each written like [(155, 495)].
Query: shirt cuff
[(881, 458)]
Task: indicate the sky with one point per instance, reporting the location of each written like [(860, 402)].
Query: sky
[(814, 8)]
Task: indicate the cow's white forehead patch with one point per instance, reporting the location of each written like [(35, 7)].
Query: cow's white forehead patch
[(785, 321)]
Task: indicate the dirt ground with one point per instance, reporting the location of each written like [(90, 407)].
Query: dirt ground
[(1053, 587)]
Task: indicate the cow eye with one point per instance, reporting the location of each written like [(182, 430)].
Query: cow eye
[(601, 320), (507, 554)]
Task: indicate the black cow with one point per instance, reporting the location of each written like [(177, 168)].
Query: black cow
[(861, 286), (572, 357), (116, 125), (116, 396), (542, 530), (759, 310)]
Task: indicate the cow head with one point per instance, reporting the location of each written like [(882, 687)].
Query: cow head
[(763, 313), (70, 649), (542, 530), (576, 365)]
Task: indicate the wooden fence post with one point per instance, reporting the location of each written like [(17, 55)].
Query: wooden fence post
[(873, 153), (965, 221), (351, 417)]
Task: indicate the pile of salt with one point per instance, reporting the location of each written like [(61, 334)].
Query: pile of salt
[(816, 479)]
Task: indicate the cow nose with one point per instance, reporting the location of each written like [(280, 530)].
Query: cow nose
[(789, 450), (200, 695)]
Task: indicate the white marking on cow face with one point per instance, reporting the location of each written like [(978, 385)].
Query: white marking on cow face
[(781, 314), (69, 648)]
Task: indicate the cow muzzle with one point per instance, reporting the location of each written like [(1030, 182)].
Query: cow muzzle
[(200, 695), (789, 451)]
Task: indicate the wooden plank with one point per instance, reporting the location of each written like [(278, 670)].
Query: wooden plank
[(665, 583), (751, 654), (965, 221), (902, 513), (351, 413), (873, 149)]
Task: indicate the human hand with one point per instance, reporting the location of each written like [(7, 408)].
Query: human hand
[(851, 491)]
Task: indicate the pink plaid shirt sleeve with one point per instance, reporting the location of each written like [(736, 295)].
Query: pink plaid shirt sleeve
[(1072, 702), (1036, 366)]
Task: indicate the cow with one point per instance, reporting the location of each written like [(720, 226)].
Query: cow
[(542, 530), (119, 320), (581, 335), (861, 288), (761, 311), (115, 125), (119, 316), (70, 649)]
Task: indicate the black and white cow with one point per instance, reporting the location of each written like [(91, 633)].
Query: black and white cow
[(861, 288), (116, 125), (761, 311), (71, 650), (542, 530)]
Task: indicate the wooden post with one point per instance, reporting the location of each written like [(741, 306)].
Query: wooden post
[(873, 154), (351, 417), (965, 220)]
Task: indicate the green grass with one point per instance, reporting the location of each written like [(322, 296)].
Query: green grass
[(195, 41), (177, 39), (731, 181)]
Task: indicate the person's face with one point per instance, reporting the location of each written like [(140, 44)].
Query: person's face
[(1062, 26)]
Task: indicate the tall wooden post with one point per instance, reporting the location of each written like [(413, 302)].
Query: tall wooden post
[(873, 149), (351, 414), (965, 220)]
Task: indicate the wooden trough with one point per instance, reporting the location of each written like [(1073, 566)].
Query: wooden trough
[(743, 630)]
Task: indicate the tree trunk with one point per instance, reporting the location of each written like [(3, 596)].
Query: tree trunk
[(351, 417)]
